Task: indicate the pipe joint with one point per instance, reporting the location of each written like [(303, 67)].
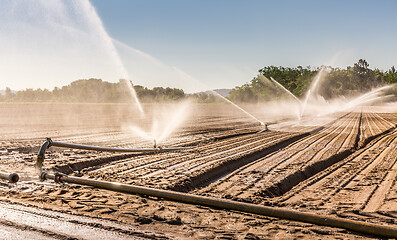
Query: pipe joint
[(43, 176), (58, 177), (41, 155)]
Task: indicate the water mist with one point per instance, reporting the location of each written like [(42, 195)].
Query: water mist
[(165, 121)]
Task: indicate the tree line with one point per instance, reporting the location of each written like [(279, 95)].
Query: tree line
[(337, 82), (93, 91)]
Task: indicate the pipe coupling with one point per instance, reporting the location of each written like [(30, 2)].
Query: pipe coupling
[(58, 177), (43, 176)]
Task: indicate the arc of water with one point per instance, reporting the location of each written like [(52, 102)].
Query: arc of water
[(305, 103), (133, 94), (238, 107), (367, 97), (311, 89), (286, 90), (182, 73), (90, 11), (265, 80)]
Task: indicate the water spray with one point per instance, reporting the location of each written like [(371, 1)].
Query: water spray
[(171, 120), (291, 94), (133, 94), (182, 73), (238, 107), (312, 89), (264, 129), (286, 90), (367, 97)]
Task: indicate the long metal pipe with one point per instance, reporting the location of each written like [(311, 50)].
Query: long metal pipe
[(48, 143), (108, 149), (357, 226), (12, 178)]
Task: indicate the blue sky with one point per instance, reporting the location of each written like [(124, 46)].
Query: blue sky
[(202, 37), (206, 43)]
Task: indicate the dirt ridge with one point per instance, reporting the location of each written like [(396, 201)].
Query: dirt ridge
[(292, 180), (206, 178), (97, 162)]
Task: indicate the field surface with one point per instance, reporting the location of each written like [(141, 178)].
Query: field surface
[(343, 164)]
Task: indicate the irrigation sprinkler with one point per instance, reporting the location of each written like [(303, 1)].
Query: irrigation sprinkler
[(49, 143), (12, 178), (265, 129), (353, 225)]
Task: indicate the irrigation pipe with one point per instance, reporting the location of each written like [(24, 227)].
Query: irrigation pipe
[(48, 143), (12, 178), (357, 226)]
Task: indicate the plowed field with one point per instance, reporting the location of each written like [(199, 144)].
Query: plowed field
[(341, 165)]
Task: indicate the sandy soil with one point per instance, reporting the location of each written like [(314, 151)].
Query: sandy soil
[(341, 165)]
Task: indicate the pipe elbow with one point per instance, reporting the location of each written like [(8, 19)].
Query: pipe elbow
[(41, 154)]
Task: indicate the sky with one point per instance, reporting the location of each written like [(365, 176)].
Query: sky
[(194, 45)]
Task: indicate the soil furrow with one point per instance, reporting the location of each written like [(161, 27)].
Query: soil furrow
[(253, 176), (322, 190)]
